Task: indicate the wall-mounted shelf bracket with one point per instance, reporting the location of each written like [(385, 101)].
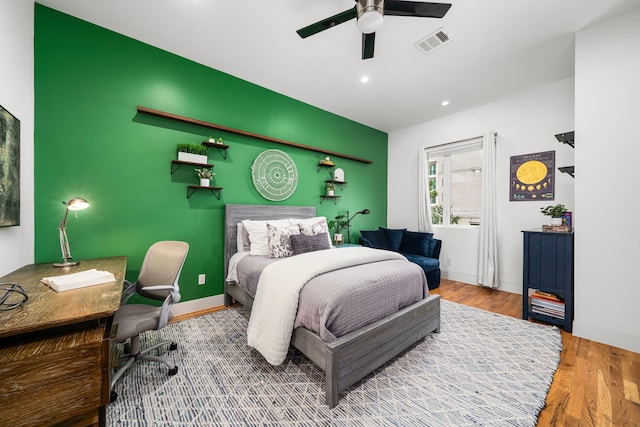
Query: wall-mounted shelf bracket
[(175, 165), (568, 169), (567, 138), (329, 168), (193, 188), (333, 198), (340, 184), (222, 148)]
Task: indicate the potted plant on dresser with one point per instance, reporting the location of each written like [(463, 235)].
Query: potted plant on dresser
[(555, 212), (205, 175), (192, 153)]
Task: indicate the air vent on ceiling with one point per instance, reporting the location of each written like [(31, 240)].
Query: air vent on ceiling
[(433, 40)]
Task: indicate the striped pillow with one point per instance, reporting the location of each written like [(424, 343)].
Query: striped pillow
[(302, 243)]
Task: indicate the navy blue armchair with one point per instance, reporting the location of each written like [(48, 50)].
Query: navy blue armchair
[(420, 248)]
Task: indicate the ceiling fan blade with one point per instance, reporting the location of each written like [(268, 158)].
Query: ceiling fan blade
[(325, 24), (368, 43), (411, 8)]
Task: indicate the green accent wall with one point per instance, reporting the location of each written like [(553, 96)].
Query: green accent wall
[(90, 142)]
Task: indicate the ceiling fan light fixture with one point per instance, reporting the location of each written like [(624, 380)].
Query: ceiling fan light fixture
[(370, 15)]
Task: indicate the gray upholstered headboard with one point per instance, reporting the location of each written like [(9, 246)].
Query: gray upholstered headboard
[(236, 213)]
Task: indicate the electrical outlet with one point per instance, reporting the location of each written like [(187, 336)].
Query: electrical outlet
[(201, 279), (449, 261)]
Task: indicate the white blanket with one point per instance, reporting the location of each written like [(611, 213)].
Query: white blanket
[(276, 302)]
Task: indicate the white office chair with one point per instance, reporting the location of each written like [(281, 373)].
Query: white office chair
[(158, 280)]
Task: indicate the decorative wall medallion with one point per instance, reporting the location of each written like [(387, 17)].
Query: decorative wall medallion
[(274, 175)]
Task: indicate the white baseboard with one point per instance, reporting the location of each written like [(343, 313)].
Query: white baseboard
[(514, 288), (459, 277), (606, 336), (198, 304)]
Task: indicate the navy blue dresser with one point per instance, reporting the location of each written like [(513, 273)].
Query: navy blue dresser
[(547, 293)]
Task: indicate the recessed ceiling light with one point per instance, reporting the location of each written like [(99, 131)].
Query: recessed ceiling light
[(364, 79), (445, 103)]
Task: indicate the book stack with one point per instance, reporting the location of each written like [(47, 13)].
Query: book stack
[(562, 228), (547, 304), (82, 279)]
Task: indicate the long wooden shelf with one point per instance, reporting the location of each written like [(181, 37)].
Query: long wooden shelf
[(175, 117)]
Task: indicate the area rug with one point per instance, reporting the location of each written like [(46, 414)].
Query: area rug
[(482, 369)]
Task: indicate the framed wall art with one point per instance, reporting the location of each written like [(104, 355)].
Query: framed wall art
[(9, 169), (532, 176)]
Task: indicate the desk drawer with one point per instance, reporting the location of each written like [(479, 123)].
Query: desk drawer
[(49, 380)]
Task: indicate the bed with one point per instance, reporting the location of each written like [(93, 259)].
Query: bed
[(351, 357)]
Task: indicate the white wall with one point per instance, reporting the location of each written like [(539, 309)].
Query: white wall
[(526, 123), (607, 290), (16, 95)]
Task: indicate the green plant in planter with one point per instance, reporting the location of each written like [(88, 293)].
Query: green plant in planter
[(556, 211), (205, 173), (338, 224), (192, 148)]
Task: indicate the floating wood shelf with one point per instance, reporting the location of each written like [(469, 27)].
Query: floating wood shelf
[(222, 148), (334, 198), (340, 184), (568, 169), (193, 188), (182, 119), (175, 165), (567, 138)]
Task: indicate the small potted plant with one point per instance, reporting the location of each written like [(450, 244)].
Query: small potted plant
[(555, 212), (193, 153), (219, 141), (205, 175), (330, 189), (337, 225)]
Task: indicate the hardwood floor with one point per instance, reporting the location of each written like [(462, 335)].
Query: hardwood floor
[(595, 384)]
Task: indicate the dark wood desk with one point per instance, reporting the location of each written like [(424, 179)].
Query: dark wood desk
[(54, 350)]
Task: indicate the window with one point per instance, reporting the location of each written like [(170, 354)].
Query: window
[(455, 182)]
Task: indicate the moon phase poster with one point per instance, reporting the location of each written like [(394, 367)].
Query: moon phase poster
[(532, 176)]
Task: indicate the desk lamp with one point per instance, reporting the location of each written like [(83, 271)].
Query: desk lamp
[(75, 204), (363, 212)]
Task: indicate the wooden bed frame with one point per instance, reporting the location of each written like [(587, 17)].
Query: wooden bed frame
[(351, 357)]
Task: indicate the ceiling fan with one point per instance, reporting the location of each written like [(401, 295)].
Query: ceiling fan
[(369, 18)]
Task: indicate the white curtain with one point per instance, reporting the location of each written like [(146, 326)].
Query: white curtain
[(488, 250), (424, 207)]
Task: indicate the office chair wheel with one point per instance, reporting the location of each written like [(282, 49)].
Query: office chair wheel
[(173, 346), (173, 371), (114, 396)]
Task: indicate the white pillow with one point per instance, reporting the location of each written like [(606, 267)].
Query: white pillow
[(242, 239), (280, 240), (258, 234), (312, 226)]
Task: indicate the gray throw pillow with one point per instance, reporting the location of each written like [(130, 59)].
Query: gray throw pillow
[(303, 243)]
